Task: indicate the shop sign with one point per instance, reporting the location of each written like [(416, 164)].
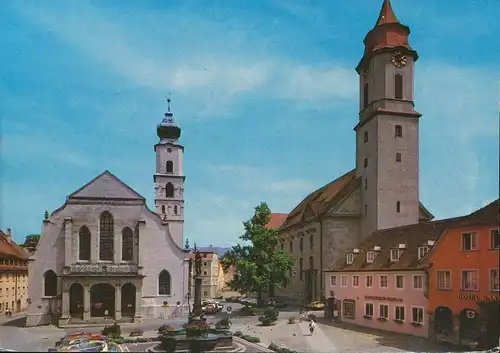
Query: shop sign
[(389, 299), (467, 296)]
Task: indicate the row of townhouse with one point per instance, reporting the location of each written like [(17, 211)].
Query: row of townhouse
[(436, 279)]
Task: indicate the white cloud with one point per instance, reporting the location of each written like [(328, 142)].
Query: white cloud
[(211, 73)]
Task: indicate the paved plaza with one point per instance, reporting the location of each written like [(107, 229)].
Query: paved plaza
[(326, 338)]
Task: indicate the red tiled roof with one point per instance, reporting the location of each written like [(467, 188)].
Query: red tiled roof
[(412, 236), (277, 220), (8, 248), (316, 203)]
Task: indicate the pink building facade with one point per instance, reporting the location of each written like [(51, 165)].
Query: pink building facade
[(392, 300)]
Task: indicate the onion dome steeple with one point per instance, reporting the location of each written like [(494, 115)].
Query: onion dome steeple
[(168, 129), (387, 34)]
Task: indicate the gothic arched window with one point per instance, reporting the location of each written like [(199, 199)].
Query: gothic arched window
[(164, 283), (398, 207), (398, 86), (365, 96), (169, 190), (291, 246), (170, 167), (127, 244), (84, 244), (50, 284), (163, 209), (176, 209), (106, 236)]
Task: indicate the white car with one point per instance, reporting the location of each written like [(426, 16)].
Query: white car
[(249, 301)]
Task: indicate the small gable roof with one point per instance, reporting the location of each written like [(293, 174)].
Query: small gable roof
[(412, 236), (106, 185)]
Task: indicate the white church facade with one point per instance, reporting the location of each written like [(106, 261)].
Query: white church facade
[(105, 253)]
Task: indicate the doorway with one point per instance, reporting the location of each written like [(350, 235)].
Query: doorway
[(76, 300), (469, 327), (128, 299), (102, 298), (443, 321)]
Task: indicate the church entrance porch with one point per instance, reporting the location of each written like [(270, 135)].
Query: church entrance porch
[(99, 299), (102, 300)]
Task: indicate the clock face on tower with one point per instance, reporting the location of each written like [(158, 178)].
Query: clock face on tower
[(399, 59)]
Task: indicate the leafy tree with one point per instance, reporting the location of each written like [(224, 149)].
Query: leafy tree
[(31, 241), (261, 265)]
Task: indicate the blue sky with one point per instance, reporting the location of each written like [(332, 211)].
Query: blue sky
[(265, 92)]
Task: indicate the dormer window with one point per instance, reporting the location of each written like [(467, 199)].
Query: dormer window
[(394, 255), (370, 256), (422, 250), (350, 258)]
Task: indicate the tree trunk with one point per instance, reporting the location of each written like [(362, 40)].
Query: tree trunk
[(272, 289), (259, 298)]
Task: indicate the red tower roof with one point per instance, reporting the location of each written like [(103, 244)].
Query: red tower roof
[(388, 33), (386, 14)]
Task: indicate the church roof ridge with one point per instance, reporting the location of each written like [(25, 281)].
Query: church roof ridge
[(321, 197), (113, 176)]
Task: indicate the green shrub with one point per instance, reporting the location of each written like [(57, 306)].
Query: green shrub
[(272, 313), (224, 322), (292, 319), (274, 347), (266, 321), (136, 332), (251, 339), (113, 330)]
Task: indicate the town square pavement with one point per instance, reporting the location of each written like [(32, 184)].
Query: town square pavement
[(326, 338)]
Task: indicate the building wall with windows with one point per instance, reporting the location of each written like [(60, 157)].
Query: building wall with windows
[(209, 275), (392, 301), (463, 273), (13, 275), (401, 258)]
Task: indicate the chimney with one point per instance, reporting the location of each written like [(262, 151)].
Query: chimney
[(8, 235)]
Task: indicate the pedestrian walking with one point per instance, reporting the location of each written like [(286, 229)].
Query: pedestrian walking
[(312, 326), (301, 314)]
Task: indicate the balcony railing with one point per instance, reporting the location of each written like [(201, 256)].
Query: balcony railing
[(84, 269)]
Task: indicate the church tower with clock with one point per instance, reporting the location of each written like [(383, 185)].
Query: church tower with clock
[(387, 137), (169, 177)]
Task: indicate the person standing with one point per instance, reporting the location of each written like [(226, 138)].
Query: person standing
[(312, 326)]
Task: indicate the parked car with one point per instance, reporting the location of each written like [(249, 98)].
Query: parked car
[(316, 305), (217, 304), (276, 302), (209, 308), (248, 301)]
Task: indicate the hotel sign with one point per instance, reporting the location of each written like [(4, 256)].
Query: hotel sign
[(467, 296), (389, 299)]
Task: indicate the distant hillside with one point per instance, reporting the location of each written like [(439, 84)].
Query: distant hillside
[(220, 251)]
